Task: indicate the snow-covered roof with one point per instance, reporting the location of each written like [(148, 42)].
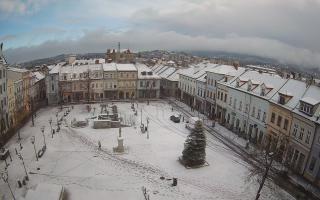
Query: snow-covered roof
[(293, 88), (38, 76), (271, 82), (95, 67), (175, 75), (56, 68), (19, 70), (224, 69), (202, 78), (109, 67), (310, 100), (144, 72), (167, 72), (196, 71), (126, 67), (45, 191)]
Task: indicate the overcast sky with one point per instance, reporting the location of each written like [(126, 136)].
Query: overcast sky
[(286, 30)]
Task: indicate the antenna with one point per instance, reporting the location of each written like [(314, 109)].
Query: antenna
[(118, 47)]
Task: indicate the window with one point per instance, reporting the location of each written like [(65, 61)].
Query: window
[(312, 164), (230, 101), (273, 117), (240, 106), (264, 117), (301, 133), (141, 84), (253, 111), (285, 125), (306, 108), (279, 121), (259, 113), (282, 100), (247, 108), (308, 137), (234, 103), (295, 130), (225, 97)]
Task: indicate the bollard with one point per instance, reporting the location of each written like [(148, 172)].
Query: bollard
[(175, 182), (19, 183)]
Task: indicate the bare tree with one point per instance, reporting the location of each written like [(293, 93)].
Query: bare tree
[(270, 160)]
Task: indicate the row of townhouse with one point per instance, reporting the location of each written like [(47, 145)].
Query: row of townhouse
[(169, 74), (198, 85), (21, 91), (26, 91), (98, 81), (276, 113), (268, 110)]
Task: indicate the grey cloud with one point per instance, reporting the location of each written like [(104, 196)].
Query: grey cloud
[(294, 22), (100, 40), (4, 38)]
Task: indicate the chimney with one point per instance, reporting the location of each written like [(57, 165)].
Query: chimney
[(236, 65)]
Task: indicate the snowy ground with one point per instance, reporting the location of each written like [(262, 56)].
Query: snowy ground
[(73, 160)]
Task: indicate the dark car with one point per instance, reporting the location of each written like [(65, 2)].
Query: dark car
[(175, 118)]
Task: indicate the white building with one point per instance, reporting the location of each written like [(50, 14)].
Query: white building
[(216, 74), (247, 102), (110, 81), (148, 85), (4, 118)]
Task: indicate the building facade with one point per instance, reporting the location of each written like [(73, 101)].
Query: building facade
[(4, 117), (148, 84)]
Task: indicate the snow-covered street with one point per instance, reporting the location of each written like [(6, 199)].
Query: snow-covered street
[(73, 160)]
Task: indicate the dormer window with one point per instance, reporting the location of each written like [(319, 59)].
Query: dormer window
[(284, 97), (282, 100), (305, 108), (249, 86), (263, 90)]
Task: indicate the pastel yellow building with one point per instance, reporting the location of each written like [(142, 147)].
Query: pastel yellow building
[(11, 102)]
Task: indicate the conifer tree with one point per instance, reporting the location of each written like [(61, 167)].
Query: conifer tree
[(194, 153)]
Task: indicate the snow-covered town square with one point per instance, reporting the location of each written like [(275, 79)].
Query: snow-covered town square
[(84, 161)]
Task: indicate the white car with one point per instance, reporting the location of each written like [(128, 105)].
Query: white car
[(191, 122)]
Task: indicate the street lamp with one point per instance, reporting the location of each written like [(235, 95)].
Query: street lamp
[(57, 114), (44, 137), (147, 127), (50, 122), (33, 139), (25, 170), (4, 176)]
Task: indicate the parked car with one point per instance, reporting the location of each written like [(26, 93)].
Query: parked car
[(175, 118)]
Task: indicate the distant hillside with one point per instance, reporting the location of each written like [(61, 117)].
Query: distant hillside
[(59, 58)]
